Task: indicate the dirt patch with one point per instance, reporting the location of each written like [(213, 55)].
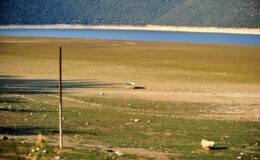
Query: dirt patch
[(59, 151), (158, 133), (145, 152), (130, 43), (200, 151), (229, 117), (136, 151), (23, 41), (7, 155)]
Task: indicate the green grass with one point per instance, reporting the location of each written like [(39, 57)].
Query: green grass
[(15, 150), (9, 149), (110, 123)]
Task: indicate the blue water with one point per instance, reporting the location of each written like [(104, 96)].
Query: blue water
[(213, 38)]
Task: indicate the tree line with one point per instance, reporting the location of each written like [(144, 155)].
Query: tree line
[(220, 13)]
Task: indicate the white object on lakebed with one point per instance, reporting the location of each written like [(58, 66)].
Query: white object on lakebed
[(207, 144), (130, 85)]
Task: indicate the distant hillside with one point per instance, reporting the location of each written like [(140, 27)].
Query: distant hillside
[(220, 13)]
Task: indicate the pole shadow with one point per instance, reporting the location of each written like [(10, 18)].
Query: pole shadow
[(17, 85)]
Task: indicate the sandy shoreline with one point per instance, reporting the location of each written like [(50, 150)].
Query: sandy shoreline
[(143, 28)]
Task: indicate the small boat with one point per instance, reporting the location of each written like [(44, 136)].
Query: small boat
[(130, 85)]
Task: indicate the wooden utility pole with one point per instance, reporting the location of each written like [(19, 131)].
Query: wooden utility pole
[(60, 101)]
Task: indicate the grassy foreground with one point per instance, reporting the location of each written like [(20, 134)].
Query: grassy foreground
[(188, 92)]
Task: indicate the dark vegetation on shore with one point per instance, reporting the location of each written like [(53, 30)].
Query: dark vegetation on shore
[(208, 13)]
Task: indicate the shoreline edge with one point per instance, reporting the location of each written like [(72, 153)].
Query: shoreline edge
[(255, 31)]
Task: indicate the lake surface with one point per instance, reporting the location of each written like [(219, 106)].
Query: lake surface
[(213, 38)]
